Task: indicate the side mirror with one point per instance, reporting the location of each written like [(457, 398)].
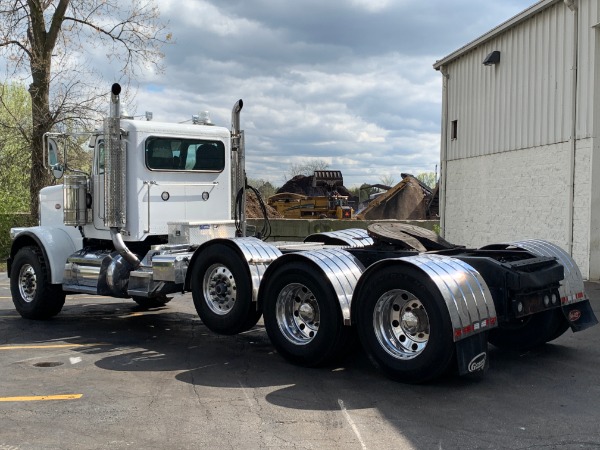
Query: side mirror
[(58, 169)]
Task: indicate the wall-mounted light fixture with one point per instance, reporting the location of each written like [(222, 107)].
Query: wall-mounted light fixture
[(492, 59)]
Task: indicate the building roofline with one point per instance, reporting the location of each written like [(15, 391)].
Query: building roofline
[(522, 16)]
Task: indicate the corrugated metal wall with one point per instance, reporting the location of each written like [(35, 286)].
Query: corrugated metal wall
[(589, 16), (525, 100)]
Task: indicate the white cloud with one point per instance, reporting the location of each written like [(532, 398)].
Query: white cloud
[(371, 5), (347, 81)]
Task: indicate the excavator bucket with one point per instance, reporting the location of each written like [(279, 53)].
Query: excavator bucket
[(329, 178)]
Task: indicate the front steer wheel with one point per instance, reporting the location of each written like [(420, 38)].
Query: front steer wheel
[(404, 325), (222, 291), (32, 293)]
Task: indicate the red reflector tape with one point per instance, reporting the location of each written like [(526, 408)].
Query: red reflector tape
[(458, 332), (579, 295)]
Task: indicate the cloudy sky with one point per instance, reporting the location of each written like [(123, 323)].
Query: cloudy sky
[(349, 82)]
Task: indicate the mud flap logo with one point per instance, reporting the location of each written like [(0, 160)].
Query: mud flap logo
[(477, 363), (574, 315)]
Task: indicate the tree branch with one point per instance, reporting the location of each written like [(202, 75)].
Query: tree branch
[(18, 44), (55, 27)]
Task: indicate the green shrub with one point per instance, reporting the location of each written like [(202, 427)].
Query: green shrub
[(8, 221)]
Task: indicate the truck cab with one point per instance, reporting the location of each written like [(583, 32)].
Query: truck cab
[(172, 171), (151, 184)]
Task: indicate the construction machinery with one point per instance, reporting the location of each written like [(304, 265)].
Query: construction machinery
[(330, 205), (162, 213)]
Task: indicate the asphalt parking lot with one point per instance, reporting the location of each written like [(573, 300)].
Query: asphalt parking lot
[(105, 374)]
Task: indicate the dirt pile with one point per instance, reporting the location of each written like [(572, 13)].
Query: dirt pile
[(302, 184), (408, 200), (254, 211)]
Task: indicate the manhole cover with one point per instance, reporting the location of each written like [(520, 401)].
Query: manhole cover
[(48, 364)]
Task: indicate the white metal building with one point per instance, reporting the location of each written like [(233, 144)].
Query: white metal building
[(520, 146)]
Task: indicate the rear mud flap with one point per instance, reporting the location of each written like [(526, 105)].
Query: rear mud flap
[(580, 315), (472, 355)]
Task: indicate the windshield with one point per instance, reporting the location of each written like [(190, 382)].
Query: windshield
[(184, 154)]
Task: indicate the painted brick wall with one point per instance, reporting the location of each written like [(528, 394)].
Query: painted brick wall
[(582, 206), (520, 194)]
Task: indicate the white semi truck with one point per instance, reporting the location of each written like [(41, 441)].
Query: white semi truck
[(162, 212)]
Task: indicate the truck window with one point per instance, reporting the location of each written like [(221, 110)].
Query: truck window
[(100, 163), (176, 154)]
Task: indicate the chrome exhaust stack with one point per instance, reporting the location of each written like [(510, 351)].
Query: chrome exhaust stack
[(238, 164), (235, 123), (115, 177)]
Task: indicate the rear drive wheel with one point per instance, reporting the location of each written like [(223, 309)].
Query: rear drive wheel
[(222, 291), (404, 325), (32, 293), (530, 332), (303, 317)]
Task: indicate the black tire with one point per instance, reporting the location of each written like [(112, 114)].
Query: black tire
[(562, 327), (154, 302), (302, 316), (33, 295), (530, 332), (404, 325), (226, 307)]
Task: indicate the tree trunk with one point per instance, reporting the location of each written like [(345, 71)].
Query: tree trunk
[(40, 60), (40, 94)]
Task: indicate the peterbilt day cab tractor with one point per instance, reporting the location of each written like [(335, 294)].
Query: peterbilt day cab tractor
[(162, 213)]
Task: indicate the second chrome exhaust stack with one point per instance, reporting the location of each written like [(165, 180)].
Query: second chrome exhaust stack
[(238, 166)]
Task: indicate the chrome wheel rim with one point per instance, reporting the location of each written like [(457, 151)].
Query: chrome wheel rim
[(401, 324), (220, 289), (297, 314), (27, 283)]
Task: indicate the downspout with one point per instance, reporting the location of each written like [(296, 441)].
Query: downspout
[(115, 180), (572, 5), (444, 150)]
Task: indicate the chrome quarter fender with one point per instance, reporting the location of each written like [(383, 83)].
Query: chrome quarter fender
[(257, 254), (342, 270), (466, 295)]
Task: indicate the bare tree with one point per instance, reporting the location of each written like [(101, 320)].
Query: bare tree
[(265, 187), (427, 178), (387, 180), (307, 168), (47, 43)]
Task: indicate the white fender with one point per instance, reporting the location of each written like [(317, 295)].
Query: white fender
[(56, 243)]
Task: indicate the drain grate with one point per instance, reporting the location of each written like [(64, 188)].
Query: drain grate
[(48, 364)]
